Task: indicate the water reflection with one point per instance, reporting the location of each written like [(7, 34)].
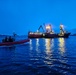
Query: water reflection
[(8, 47), (31, 47), (7, 53), (48, 45), (49, 51), (37, 44), (62, 45)]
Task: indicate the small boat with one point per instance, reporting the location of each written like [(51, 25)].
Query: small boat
[(14, 43)]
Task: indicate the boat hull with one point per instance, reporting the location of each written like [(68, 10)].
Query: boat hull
[(14, 43), (48, 35), (35, 35), (66, 35)]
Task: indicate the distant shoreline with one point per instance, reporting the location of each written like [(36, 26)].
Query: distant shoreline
[(73, 35)]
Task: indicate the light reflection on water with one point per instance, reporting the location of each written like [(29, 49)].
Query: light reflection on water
[(37, 44), (62, 45), (48, 45), (31, 44), (40, 56)]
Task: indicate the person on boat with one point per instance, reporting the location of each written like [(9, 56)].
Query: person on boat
[(2, 40), (10, 39), (5, 39)]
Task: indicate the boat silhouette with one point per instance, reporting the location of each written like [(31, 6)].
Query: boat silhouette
[(49, 33)]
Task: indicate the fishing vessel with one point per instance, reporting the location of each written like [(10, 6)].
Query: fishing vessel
[(48, 33)]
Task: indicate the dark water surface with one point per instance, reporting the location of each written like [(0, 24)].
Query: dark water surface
[(40, 57)]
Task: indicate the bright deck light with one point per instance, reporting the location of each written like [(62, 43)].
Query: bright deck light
[(61, 26), (48, 27)]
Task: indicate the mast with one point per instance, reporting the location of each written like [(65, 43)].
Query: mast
[(61, 29)]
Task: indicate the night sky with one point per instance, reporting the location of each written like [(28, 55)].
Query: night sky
[(21, 16)]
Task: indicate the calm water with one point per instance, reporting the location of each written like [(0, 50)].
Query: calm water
[(40, 57)]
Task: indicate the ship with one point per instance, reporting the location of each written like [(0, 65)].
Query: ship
[(49, 33)]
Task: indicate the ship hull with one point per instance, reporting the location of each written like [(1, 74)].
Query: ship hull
[(35, 35), (48, 35), (66, 35)]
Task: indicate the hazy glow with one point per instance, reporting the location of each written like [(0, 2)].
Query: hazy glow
[(61, 26), (48, 27)]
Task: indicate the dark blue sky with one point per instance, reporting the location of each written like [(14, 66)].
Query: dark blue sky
[(20, 16)]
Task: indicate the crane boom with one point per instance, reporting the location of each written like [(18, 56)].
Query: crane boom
[(40, 27)]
